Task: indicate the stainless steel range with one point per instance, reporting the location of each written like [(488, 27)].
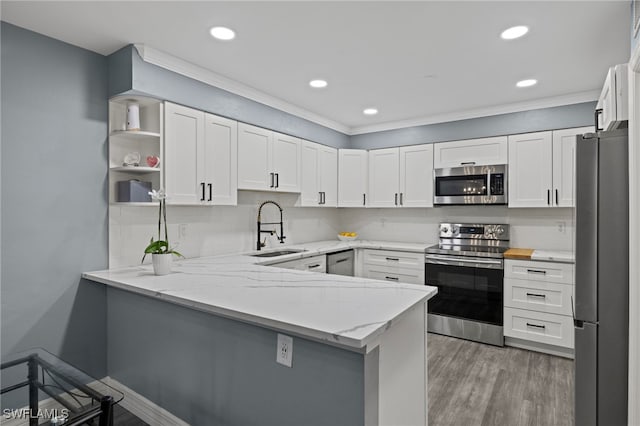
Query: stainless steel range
[(467, 267)]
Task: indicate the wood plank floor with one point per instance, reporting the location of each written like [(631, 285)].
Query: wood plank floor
[(122, 417), (475, 384)]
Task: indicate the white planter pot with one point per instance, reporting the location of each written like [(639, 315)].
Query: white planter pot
[(162, 263)]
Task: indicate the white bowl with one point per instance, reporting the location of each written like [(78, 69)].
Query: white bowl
[(343, 238)]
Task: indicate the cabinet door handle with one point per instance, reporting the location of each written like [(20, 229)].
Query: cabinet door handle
[(536, 326), (392, 278), (364, 199), (468, 163), (324, 197), (536, 271), (202, 185), (313, 266), (557, 198), (396, 198), (393, 258), (277, 180), (319, 197), (548, 197), (271, 174), (401, 202), (537, 295), (210, 191), (598, 113)]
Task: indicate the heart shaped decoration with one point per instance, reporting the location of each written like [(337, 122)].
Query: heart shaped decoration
[(153, 161)]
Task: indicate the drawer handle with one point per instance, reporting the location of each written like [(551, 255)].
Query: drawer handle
[(342, 260), (468, 163), (392, 278), (536, 326), (536, 271), (393, 258), (313, 266), (544, 296)]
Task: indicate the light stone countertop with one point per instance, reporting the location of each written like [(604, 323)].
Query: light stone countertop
[(346, 311)]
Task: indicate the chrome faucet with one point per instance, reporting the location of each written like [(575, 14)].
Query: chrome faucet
[(281, 237)]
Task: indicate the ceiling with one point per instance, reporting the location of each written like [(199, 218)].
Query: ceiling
[(412, 61)]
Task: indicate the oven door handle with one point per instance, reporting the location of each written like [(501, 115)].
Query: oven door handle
[(460, 261)]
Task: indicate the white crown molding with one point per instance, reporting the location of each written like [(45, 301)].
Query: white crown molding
[(180, 66), (574, 98)]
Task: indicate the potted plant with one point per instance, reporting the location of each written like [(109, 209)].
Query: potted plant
[(161, 252)]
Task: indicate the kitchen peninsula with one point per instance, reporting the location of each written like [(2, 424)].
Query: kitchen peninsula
[(202, 341)]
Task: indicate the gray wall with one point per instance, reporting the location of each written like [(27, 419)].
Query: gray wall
[(54, 202), (164, 84), (210, 370), (561, 117)]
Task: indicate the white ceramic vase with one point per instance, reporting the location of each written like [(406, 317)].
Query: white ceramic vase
[(161, 263), (133, 116)]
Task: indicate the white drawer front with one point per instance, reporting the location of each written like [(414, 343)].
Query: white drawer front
[(540, 327), (407, 276), (312, 264), (538, 296), (398, 259), (539, 271)]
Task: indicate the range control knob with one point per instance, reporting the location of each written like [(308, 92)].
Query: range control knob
[(444, 229), (499, 230), (455, 230)]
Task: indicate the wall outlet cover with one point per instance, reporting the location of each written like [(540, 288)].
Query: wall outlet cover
[(284, 350)]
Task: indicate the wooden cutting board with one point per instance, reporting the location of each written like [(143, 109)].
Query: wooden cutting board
[(518, 253)]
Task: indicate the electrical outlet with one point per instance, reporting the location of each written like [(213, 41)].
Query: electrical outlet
[(182, 231), (562, 226), (284, 354)]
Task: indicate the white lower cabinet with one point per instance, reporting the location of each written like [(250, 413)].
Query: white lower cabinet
[(538, 300), (391, 265), (311, 264)]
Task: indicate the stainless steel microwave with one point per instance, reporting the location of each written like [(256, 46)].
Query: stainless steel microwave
[(470, 185)]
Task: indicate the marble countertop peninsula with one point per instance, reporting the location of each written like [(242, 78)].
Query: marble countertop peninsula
[(346, 311)]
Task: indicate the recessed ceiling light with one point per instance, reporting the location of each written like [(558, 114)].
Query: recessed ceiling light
[(318, 84), (527, 83), (370, 111), (222, 33), (514, 32)]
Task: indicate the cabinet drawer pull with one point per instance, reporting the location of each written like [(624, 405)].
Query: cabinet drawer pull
[(313, 266), (202, 185), (210, 191), (342, 260), (392, 278), (544, 296), (536, 326), (536, 271), (393, 258), (468, 163)]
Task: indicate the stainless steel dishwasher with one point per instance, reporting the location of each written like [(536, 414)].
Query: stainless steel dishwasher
[(340, 263)]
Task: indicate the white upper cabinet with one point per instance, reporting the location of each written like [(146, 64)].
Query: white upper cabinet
[(530, 170), (384, 177), (401, 177), (564, 165), (416, 176), (471, 152), (221, 160), (184, 155), (268, 161), (319, 180), (542, 168), (200, 157), (352, 177)]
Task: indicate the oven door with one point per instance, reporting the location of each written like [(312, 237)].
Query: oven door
[(468, 287)]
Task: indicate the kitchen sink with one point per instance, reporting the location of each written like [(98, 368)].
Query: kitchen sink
[(277, 253)]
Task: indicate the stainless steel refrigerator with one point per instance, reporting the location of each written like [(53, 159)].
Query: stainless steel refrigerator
[(602, 279)]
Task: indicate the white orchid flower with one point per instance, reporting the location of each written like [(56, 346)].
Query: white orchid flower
[(158, 195)]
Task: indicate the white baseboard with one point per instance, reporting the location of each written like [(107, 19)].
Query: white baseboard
[(142, 408)]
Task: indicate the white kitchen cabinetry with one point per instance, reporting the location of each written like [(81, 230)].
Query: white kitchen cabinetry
[(319, 179), (613, 105), (352, 177), (201, 157), (542, 168), (391, 265), (538, 303), (148, 141), (401, 177), (311, 264), (471, 152), (268, 161)]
